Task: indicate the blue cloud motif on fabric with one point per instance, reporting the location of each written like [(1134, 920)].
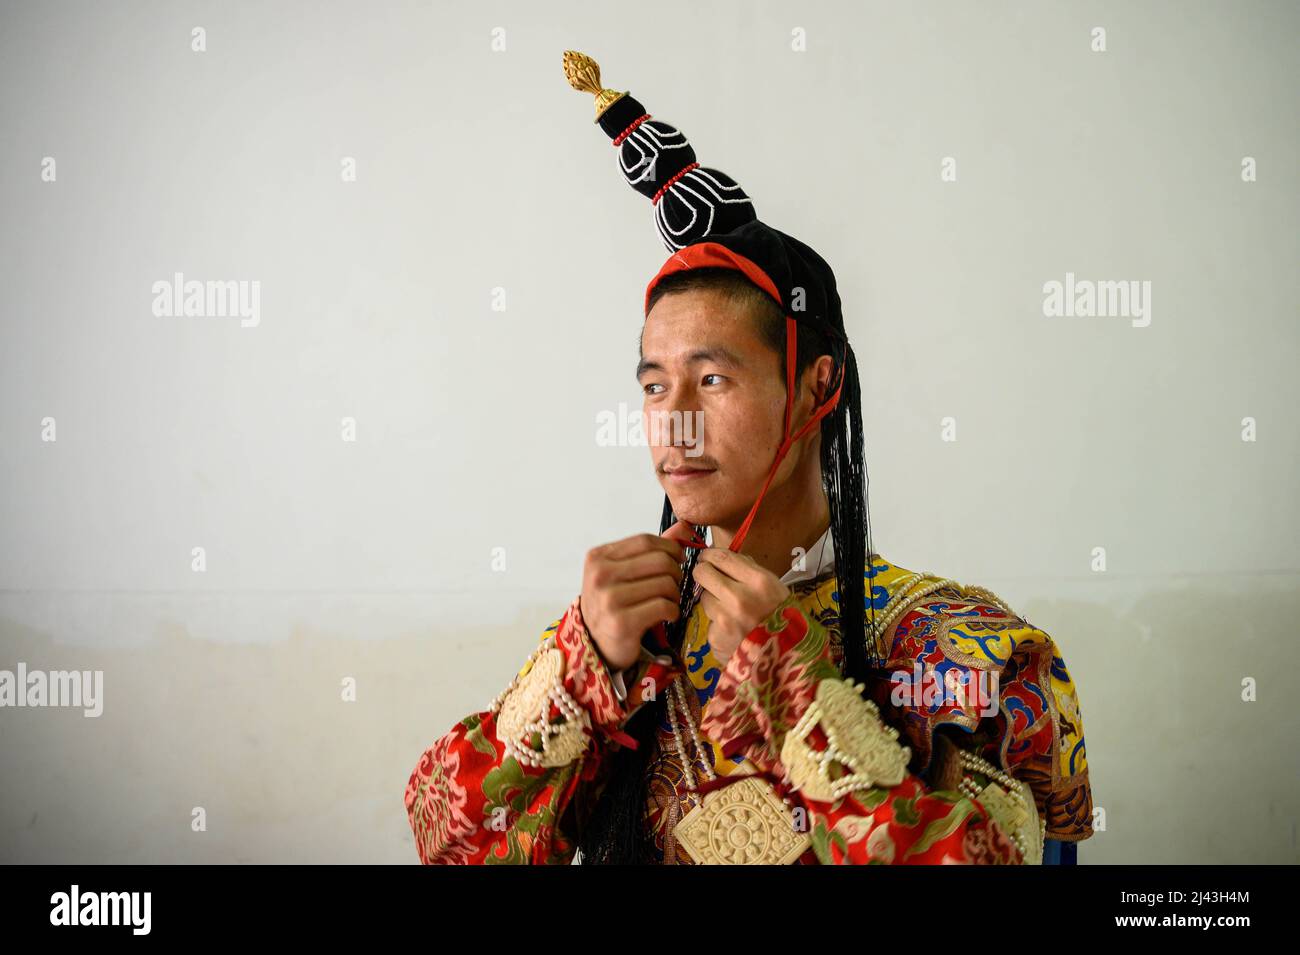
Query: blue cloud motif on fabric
[(983, 642), (695, 660), (705, 693), (1074, 755), (1013, 707), (876, 597), (943, 606), (875, 569), (875, 600), (1058, 669), (1038, 692)]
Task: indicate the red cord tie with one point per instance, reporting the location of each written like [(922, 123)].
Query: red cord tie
[(791, 339)]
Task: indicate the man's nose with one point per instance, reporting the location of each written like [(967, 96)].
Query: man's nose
[(679, 422)]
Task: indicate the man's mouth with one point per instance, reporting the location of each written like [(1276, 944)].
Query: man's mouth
[(682, 475)]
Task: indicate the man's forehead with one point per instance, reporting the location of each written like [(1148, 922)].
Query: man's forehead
[(709, 324)]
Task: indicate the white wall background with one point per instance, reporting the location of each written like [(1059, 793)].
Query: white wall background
[(476, 428)]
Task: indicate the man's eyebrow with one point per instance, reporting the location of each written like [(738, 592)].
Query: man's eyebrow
[(717, 354)]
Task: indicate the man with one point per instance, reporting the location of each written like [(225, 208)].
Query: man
[(700, 704)]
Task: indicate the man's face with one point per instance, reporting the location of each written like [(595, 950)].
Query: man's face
[(701, 352)]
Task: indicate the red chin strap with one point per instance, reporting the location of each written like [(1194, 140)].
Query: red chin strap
[(791, 339)]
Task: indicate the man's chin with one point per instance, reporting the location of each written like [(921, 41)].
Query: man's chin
[(688, 508)]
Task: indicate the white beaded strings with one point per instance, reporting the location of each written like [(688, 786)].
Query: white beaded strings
[(570, 708), (677, 700), (973, 763)]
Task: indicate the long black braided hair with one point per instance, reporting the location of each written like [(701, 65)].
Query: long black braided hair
[(615, 832)]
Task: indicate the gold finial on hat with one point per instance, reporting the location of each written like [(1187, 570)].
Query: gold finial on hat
[(583, 74)]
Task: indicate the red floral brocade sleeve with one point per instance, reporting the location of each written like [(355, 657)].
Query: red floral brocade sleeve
[(781, 703), (495, 787)]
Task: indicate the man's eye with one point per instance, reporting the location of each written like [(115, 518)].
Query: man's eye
[(707, 377), (647, 388)]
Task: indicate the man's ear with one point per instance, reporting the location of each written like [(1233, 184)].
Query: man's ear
[(817, 377)]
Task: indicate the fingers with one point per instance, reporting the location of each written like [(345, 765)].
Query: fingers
[(606, 573), (639, 544), (645, 615), (657, 564), (709, 604), (636, 592), (742, 587), (721, 590), (738, 567)]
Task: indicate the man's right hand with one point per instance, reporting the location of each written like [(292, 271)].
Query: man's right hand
[(628, 586)]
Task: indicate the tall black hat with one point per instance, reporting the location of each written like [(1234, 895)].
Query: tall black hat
[(695, 204)]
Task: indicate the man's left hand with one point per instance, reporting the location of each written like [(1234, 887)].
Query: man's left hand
[(737, 595)]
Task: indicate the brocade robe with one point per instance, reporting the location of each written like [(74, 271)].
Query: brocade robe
[(470, 801)]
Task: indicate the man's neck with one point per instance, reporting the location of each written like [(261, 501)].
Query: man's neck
[(789, 517)]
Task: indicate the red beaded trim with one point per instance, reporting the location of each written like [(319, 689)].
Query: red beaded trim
[(628, 132), (679, 175)]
